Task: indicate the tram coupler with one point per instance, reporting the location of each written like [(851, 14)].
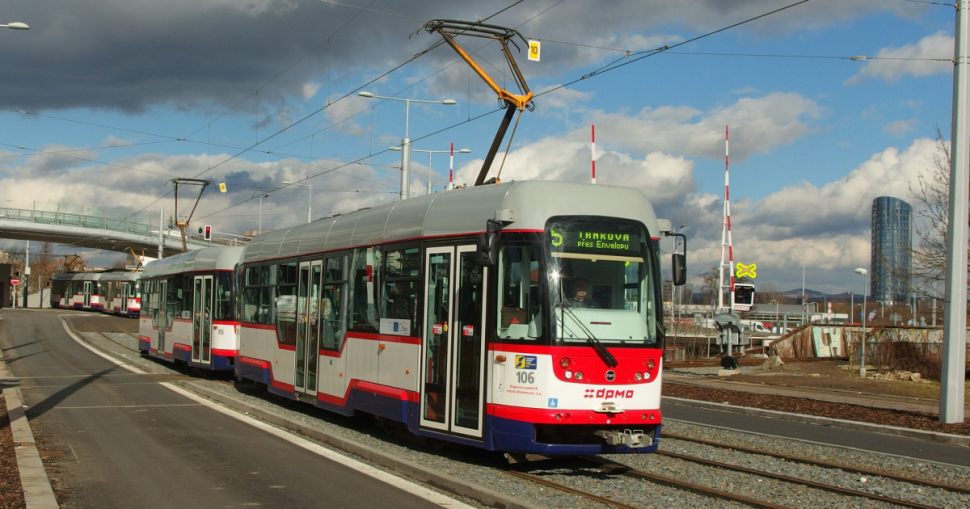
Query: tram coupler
[(632, 439)]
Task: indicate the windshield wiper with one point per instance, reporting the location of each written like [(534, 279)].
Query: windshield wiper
[(601, 350)]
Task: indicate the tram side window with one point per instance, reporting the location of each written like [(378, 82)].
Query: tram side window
[(286, 303), (400, 277), (518, 302), (224, 305), (363, 313), (333, 305), (258, 292)]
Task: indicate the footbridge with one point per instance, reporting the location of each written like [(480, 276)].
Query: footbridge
[(101, 228)]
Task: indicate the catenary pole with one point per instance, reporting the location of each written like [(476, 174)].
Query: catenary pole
[(955, 303)]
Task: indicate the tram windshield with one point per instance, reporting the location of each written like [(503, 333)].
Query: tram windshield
[(601, 278)]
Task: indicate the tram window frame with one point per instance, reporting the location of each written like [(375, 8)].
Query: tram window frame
[(336, 280), (224, 305), (364, 320), (406, 282), (288, 277), (527, 310), (259, 291)]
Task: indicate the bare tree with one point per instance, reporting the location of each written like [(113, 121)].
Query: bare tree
[(932, 192), (711, 283), (72, 263)]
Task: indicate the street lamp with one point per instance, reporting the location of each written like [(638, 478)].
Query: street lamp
[(309, 202), (263, 194), (776, 311), (406, 142), (16, 25), (865, 296), (450, 151)]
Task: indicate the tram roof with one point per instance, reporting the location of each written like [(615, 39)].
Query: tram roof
[(103, 275), (454, 212), (209, 258)]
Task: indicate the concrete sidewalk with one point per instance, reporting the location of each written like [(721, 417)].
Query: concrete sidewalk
[(33, 477)]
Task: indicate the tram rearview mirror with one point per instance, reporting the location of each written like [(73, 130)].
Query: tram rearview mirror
[(679, 261), (487, 249)]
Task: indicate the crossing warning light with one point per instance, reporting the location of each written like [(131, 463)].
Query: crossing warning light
[(743, 296), (207, 232)]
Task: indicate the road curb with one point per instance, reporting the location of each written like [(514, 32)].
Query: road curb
[(930, 436), (38, 493)]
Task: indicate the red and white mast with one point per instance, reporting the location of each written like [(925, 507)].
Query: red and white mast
[(451, 167), (592, 134), (726, 276)]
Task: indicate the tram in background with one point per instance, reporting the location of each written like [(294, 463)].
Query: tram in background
[(113, 291), (451, 314), (188, 309), (77, 290)]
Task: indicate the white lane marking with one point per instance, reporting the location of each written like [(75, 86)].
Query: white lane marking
[(415, 489)]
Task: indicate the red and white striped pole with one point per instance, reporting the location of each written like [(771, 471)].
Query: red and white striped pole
[(593, 139), (451, 167)]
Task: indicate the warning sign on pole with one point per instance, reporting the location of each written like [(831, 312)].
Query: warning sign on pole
[(15, 281)]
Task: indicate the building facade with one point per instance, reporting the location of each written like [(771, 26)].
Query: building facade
[(892, 248)]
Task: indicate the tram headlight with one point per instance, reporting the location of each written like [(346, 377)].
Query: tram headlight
[(579, 376), (564, 362), (568, 374), (651, 364), (646, 375), (638, 376)]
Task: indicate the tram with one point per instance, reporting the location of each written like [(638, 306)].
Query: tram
[(77, 290), (121, 292), (189, 311), (453, 314)]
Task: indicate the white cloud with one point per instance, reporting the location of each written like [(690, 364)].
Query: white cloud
[(900, 127), (931, 55), (757, 125)]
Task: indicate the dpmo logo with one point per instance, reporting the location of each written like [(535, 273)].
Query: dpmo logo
[(608, 394)]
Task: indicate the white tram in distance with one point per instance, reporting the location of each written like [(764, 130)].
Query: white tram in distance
[(189, 309), (409, 312), (110, 291)]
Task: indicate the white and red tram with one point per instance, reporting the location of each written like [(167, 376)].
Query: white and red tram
[(121, 292), (189, 309), (452, 314), (77, 290)]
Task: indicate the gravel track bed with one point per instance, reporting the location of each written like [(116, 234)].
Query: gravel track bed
[(487, 469)]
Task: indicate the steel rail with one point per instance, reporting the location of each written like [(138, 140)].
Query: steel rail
[(847, 468)]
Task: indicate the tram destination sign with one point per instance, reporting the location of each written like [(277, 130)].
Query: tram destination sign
[(605, 240)]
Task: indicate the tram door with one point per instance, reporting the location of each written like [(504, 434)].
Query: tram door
[(162, 317), (86, 297), (125, 288), (202, 320), (453, 347), (308, 327)]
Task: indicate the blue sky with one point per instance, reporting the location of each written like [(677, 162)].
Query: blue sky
[(103, 103)]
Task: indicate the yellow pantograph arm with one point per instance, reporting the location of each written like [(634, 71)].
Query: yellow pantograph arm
[(519, 100)]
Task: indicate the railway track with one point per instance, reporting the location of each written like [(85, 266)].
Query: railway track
[(614, 469), (809, 461)]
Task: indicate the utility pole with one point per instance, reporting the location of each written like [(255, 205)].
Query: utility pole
[(955, 304)]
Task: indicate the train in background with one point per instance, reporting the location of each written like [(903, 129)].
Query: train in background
[(190, 309), (114, 291)]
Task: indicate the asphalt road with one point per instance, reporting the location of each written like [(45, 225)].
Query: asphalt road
[(127, 441)]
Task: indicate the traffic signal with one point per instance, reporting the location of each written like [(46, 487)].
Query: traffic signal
[(207, 232)]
